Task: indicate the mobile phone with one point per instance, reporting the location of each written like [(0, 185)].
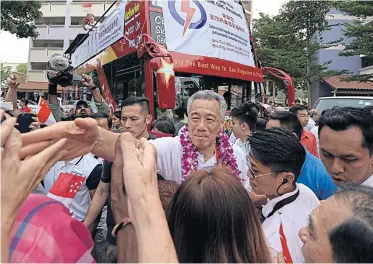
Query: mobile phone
[(7, 106)]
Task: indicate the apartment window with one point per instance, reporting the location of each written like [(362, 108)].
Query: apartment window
[(39, 22), (38, 66), (37, 43)]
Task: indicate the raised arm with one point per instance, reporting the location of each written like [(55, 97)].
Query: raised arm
[(99, 101), (11, 95)]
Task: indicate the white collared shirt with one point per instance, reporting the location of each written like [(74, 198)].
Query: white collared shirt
[(368, 182), (244, 146), (311, 124), (293, 217), (169, 154)]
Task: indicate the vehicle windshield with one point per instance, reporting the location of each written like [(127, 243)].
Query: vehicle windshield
[(235, 92), (329, 103)]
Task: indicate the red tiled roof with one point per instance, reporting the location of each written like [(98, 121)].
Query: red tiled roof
[(36, 86), (337, 82)]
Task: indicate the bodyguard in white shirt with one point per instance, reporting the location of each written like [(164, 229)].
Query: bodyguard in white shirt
[(346, 145), (276, 158), (202, 143)]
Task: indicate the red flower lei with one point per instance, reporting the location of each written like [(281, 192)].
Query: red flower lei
[(189, 162)]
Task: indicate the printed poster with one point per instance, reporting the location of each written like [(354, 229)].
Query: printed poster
[(212, 28)]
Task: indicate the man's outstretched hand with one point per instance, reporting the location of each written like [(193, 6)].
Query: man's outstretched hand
[(81, 135)]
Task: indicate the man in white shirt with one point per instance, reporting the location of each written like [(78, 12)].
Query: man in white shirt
[(244, 119), (346, 145), (276, 158), (202, 143)]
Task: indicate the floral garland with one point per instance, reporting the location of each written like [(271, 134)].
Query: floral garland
[(189, 162)]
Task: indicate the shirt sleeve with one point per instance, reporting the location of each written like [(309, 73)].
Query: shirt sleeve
[(167, 153), (328, 187), (94, 178), (58, 114), (106, 172), (103, 107)]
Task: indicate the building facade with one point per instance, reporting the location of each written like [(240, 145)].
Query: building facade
[(53, 35), (248, 6), (354, 64)]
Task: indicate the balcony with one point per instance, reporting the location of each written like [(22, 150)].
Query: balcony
[(77, 9), (37, 76), (56, 32), (43, 54)]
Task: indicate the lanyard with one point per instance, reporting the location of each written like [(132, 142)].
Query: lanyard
[(281, 204)]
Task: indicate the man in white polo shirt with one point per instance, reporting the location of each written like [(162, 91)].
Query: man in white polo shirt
[(346, 145), (276, 158), (202, 143)]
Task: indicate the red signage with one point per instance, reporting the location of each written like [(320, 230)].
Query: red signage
[(215, 67)]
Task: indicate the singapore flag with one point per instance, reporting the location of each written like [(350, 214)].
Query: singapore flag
[(44, 113), (66, 187)]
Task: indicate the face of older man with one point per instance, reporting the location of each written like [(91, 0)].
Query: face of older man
[(204, 123), (315, 236)]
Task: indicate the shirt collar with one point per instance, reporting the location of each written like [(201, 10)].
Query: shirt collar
[(267, 209), (368, 182), (304, 134), (239, 142)]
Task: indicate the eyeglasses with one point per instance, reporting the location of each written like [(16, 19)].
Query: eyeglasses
[(257, 176)]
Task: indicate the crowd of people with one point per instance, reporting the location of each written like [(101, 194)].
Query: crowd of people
[(105, 189)]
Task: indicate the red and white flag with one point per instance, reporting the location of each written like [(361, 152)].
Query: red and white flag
[(44, 113), (66, 187)]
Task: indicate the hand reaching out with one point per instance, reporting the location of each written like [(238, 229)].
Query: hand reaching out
[(81, 135), (18, 177)]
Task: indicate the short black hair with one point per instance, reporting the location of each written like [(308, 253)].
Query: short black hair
[(279, 149), (288, 121), (352, 241), (295, 108), (325, 111), (164, 125), (246, 113), (25, 101), (343, 118), (100, 115), (142, 101), (261, 123)]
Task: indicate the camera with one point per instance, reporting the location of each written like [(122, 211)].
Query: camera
[(61, 72)]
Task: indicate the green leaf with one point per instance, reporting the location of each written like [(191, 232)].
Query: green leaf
[(17, 17)]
